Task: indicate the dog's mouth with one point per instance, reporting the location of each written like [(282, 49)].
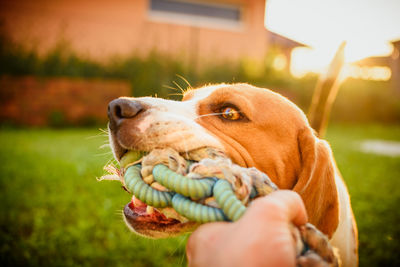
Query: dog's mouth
[(151, 222), (146, 220)]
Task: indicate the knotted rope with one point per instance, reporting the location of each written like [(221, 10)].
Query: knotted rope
[(205, 186)]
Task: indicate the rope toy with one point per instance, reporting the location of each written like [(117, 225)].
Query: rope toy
[(205, 186), (186, 189)]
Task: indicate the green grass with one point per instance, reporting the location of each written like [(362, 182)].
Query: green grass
[(374, 186), (55, 213)]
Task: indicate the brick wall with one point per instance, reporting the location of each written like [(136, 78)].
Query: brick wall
[(57, 101), (104, 28)]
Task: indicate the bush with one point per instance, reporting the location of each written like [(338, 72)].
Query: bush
[(158, 74), (363, 101), (153, 74)]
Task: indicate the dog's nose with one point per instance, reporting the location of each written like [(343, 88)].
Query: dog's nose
[(121, 108)]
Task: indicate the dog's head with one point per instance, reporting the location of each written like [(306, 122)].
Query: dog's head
[(255, 127)]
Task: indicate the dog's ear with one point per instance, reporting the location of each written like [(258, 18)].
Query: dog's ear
[(316, 182)]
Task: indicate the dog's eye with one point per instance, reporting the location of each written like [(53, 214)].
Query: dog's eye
[(230, 113)]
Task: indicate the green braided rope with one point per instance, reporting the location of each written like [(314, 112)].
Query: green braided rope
[(195, 211), (194, 188), (227, 200), (184, 188), (143, 191)]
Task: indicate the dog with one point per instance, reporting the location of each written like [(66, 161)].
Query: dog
[(255, 127)]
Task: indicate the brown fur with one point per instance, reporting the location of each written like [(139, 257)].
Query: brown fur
[(278, 141)]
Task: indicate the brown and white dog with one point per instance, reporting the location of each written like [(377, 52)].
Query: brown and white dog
[(256, 128)]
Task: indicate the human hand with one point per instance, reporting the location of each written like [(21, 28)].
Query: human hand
[(262, 237)]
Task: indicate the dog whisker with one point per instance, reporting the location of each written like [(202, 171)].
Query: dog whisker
[(104, 131), (182, 259), (103, 154), (181, 240), (119, 213), (183, 254), (106, 145), (182, 90), (99, 135), (209, 114), (170, 87), (186, 81)]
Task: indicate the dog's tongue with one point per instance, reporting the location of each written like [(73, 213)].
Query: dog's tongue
[(138, 207), (141, 209)]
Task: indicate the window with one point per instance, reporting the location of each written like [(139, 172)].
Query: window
[(197, 13)]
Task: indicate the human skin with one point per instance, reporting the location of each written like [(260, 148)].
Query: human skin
[(262, 237)]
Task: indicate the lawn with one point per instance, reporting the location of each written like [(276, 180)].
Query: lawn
[(55, 213)]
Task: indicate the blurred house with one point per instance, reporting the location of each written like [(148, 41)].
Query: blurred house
[(381, 68), (196, 30), (285, 45)]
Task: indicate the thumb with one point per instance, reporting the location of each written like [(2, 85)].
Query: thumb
[(282, 205)]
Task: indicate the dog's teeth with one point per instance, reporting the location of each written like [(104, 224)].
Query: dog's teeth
[(136, 202), (149, 210)]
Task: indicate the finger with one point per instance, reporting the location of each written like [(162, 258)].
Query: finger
[(282, 205), (204, 239)]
